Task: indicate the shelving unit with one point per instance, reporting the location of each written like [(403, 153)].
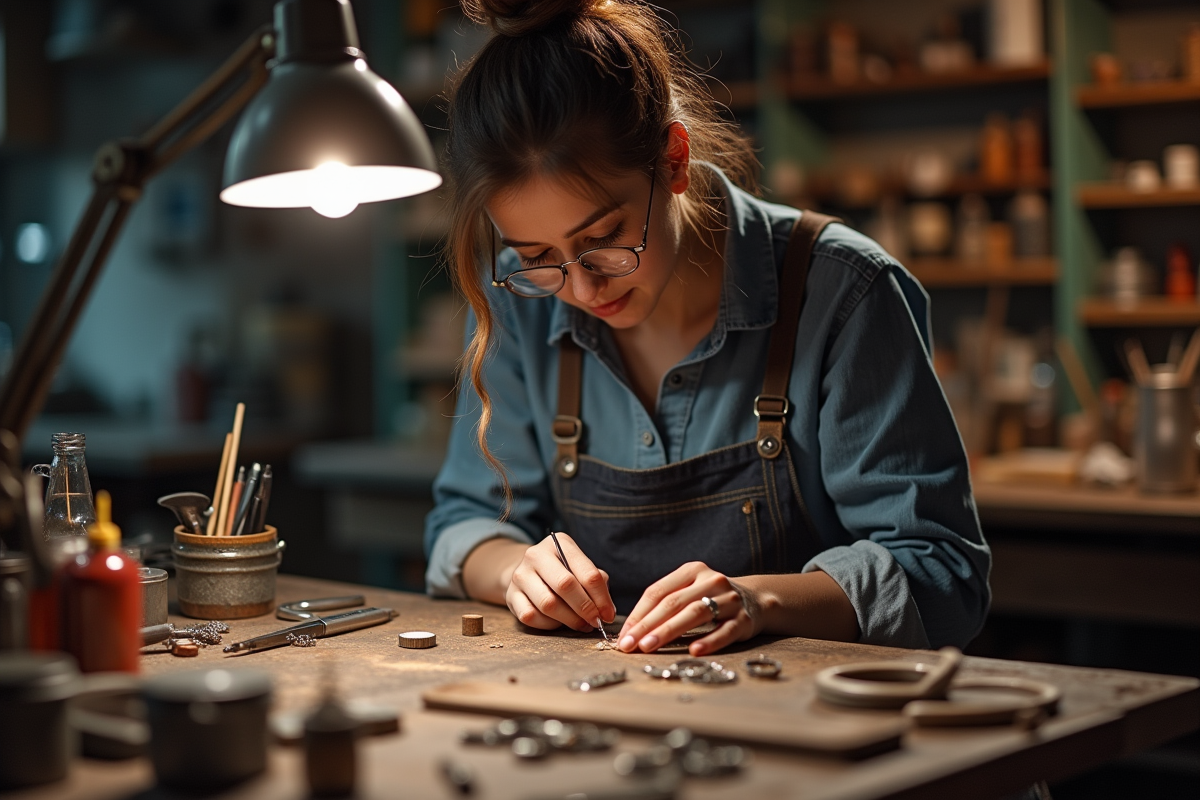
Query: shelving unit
[(910, 82), (1147, 93), (1145, 313), (950, 273), (1115, 195)]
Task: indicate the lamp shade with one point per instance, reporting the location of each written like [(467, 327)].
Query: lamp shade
[(325, 131)]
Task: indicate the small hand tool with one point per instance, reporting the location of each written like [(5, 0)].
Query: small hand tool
[(188, 508), (316, 628), (563, 558), (299, 610)]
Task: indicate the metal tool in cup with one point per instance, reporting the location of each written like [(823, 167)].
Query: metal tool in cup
[(1167, 434)]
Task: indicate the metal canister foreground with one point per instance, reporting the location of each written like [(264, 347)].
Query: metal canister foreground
[(154, 596), (208, 727), (226, 577)]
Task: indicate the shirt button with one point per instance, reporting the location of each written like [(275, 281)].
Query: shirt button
[(647, 438), (676, 379)]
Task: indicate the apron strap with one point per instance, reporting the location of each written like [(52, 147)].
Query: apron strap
[(771, 406), (567, 428)]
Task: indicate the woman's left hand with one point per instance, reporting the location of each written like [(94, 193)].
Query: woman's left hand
[(673, 606)]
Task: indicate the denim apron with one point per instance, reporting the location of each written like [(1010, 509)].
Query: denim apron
[(737, 509)]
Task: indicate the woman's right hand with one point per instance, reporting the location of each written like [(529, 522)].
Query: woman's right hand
[(542, 593)]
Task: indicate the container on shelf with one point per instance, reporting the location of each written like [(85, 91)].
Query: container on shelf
[(1181, 163), (1167, 435)]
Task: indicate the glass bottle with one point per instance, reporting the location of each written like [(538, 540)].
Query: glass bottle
[(69, 506)]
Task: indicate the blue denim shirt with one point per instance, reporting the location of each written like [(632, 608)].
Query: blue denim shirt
[(879, 459)]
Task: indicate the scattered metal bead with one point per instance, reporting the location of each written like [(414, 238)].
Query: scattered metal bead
[(693, 670), (763, 667), (495, 646), (679, 752), (303, 640), (459, 775), (534, 737), (597, 681)]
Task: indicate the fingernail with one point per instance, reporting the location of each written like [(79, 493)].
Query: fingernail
[(627, 643), (648, 642)]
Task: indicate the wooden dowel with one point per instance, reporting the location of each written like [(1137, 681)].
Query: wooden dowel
[(235, 498), (1138, 364), (1187, 364), (227, 489), (211, 528)]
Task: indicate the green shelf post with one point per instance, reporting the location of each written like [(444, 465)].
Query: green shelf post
[(1078, 28)]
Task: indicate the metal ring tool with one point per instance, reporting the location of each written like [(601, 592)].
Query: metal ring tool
[(300, 610)]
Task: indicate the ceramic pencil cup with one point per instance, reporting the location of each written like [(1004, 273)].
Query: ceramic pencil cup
[(226, 577)]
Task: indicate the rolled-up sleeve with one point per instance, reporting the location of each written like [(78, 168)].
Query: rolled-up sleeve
[(894, 466), (468, 495)]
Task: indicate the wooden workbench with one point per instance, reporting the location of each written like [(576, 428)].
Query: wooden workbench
[(1105, 714)]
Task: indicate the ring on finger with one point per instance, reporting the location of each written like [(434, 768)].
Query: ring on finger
[(712, 607)]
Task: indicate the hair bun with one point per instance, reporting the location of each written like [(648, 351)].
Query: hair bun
[(515, 18)]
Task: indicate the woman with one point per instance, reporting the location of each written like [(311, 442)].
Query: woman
[(727, 414)]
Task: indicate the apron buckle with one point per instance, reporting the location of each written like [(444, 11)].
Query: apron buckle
[(566, 430), (771, 405)]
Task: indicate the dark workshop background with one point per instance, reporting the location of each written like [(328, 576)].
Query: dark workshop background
[(998, 178)]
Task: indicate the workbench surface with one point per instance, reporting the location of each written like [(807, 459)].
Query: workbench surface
[(1105, 714)]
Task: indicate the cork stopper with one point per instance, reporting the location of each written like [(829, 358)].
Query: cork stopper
[(472, 625), (103, 534)]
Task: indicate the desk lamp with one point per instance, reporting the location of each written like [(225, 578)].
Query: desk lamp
[(319, 129)]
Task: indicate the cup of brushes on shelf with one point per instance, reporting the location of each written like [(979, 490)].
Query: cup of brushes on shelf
[(225, 568)]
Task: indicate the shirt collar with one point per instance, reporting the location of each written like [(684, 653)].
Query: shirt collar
[(750, 295)]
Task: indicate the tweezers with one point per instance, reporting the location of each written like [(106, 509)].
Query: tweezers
[(563, 558)]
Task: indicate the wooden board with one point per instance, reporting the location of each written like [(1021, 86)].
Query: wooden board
[(842, 734)]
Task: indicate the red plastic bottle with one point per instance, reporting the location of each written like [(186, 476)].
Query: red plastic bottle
[(102, 600)]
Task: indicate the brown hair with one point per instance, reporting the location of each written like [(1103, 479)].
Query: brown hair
[(576, 89)]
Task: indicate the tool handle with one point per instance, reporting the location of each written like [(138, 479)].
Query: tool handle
[(353, 620)]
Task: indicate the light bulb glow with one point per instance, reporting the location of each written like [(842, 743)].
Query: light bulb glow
[(333, 189)]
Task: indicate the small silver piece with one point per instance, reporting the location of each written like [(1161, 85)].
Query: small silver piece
[(418, 640), (693, 670), (597, 681), (712, 606), (763, 667), (303, 640)]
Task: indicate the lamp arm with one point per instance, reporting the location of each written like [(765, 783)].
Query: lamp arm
[(119, 173)]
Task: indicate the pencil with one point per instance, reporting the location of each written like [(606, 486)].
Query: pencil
[(211, 528), (227, 489), (235, 500)]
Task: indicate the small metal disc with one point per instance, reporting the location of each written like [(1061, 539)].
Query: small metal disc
[(417, 640), (185, 649)]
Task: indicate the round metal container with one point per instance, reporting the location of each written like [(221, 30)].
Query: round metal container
[(208, 728), (154, 596), (1165, 439), (226, 577), (35, 739)]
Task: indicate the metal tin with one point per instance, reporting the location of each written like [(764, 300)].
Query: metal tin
[(35, 738), (226, 577), (154, 596), (14, 601), (208, 728), (1165, 439)]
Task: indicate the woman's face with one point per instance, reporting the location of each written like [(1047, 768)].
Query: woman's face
[(548, 222)]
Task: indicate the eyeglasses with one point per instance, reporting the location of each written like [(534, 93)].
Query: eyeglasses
[(611, 261)]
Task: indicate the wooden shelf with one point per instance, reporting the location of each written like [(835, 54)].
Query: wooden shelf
[(905, 83), (1138, 94), (824, 187), (1116, 195), (1147, 313), (934, 273)]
